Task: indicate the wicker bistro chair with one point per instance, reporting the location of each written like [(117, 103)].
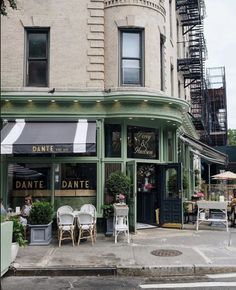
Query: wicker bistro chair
[(121, 221), (92, 210), (63, 209), (85, 223), (66, 227)]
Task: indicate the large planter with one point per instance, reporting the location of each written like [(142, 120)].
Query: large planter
[(40, 234), (109, 227), (14, 251), (6, 241)]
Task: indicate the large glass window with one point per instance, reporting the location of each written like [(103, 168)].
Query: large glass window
[(75, 184), (131, 57), (28, 179), (112, 140), (143, 143), (37, 58)]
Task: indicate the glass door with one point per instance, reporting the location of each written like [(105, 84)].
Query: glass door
[(131, 172), (171, 194)]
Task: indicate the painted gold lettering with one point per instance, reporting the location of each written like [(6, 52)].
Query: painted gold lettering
[(18, 184), (86, 184), (64, 184)]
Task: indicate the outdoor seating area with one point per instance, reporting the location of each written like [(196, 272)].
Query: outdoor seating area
[(72, 223)]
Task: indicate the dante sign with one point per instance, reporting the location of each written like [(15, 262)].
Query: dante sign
[(75, 184), (29, 184), (50, 148)]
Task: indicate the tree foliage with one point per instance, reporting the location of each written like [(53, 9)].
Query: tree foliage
[(5, 4), (232, 137)]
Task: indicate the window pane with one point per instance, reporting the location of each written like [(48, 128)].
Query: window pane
[(75, 184), (28, 179), (37, 73), (143, 143), (112, 140), (131, 45), (37, 44), (131, 71), (171, 183)]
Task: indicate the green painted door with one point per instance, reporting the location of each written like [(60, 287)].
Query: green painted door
[(131, 172)]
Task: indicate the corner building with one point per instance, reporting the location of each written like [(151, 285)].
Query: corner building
[(91, 87)]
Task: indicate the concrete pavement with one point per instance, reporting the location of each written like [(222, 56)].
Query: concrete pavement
[(209, 250)]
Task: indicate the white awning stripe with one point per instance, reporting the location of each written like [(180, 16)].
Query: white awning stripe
[(14, 134), (79, 144)]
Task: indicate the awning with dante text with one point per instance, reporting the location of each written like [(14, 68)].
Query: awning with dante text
[(22, 137)]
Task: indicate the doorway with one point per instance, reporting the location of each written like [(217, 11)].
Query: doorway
[(159, 200)]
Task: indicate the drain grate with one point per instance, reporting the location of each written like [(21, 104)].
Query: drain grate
[(166, 253)]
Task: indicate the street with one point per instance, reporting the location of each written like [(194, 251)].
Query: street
[(217, 281)]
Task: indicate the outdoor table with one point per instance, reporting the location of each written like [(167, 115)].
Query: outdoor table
[(204, 206)]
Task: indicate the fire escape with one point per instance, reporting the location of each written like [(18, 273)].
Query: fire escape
[(192, 65), (217, 107)]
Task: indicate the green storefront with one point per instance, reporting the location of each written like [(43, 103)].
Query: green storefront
[(136, 133)]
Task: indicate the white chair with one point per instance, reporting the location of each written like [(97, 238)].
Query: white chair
[(121, 222), (92, 210), (66, 227), (85, 222), (63, 209)]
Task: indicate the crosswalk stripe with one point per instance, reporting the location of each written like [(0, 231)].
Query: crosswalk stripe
[(225, 275), (188, 285)]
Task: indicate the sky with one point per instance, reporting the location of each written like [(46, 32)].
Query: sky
[(220, 36)]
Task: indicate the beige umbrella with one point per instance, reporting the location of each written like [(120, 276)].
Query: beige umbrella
[(227, 175)]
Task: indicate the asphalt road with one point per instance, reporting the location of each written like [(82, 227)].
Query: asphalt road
[(117, 283)]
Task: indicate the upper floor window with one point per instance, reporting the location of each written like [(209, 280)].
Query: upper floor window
[(131, 57), (37, 58)]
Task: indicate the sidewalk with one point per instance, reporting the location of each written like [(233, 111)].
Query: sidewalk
[(209, 250)]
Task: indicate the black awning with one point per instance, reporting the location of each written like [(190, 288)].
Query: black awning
[(204, 151), (23, 137)]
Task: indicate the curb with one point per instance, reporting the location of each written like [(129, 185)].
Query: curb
[(140, 271), (57, 271)]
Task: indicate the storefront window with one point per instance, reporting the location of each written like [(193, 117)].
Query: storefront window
[(110, 168), (28, 179), (112, 140), (75, 184), (143, 143)]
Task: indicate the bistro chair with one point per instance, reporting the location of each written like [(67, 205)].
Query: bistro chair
[(121, 222), (85, 223), (63, 209), (66, 227), (92, 210)]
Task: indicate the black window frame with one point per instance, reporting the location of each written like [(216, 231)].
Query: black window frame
[(42, 59), (140, 58)]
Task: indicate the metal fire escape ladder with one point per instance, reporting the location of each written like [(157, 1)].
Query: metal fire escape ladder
[(192, 66)]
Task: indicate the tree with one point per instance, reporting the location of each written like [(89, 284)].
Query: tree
[(11, 3), (232, 137)]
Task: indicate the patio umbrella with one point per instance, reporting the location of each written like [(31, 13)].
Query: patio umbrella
[(227, 175)]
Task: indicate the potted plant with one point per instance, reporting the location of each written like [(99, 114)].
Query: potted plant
[(108, 211), (6, 239), (40, 223), (18, 237), (118, 184)]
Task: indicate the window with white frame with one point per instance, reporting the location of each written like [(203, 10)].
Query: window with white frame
[(131, 57)]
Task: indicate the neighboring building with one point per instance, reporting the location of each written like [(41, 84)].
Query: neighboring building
[(90, 87)]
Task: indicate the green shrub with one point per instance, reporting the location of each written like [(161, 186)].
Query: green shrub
[(41, 213), (18, 232), (117, 183), (108, 210)]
